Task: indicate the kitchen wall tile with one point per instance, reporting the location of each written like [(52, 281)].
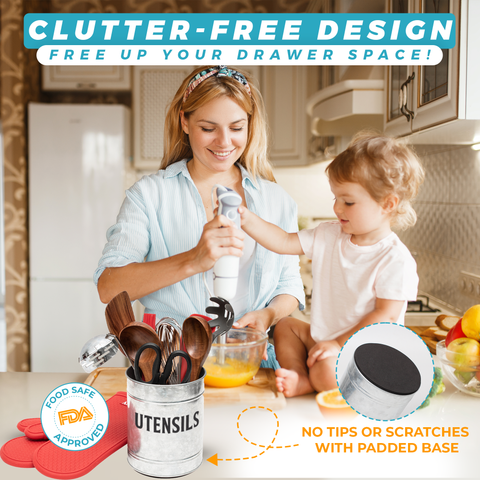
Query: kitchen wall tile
[(413, 235), (463, 233), (426, 271), (464, 177), (434, 189), (445, 284), (427, 234), (445, 240)]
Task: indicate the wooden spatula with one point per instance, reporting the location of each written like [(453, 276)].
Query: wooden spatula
[(119, 313)]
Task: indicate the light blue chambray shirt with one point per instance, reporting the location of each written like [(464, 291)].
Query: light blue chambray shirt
[(163, 215)]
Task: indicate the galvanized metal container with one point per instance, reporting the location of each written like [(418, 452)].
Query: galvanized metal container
[(380, 381), (165, 427)]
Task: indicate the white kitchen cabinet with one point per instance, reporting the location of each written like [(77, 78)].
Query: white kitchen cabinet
[(433, 94), (153, 90), (86, 77), (285, 92)]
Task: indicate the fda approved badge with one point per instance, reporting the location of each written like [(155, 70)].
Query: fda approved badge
[(74, 416)]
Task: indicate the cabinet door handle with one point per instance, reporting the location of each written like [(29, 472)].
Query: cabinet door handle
[(409, 114), (86, 85)]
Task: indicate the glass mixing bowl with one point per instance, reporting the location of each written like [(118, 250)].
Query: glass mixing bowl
[(236, 362), (461, 369)]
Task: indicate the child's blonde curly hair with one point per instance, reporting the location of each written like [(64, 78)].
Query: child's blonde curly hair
[(383, 166)]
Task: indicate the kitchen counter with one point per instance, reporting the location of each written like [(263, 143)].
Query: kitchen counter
[(292, 454)]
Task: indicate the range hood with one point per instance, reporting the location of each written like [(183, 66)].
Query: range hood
[(346, 107)]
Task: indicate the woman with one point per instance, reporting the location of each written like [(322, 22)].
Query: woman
[(167, 236)]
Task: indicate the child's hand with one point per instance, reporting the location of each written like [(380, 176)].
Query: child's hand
[(245, 215), (322, 350)]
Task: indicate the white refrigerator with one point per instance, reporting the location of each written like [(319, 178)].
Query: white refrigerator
[(77, 160)]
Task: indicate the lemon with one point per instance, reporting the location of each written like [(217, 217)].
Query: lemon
[(471, 322)]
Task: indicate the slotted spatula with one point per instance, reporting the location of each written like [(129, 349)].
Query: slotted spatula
[(225, 316)]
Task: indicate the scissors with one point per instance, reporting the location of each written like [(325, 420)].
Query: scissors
[(157, 378)]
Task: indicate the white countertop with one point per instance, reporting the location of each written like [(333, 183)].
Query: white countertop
[(24, 393)]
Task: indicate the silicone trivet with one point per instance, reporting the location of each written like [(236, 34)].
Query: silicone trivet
[(56, 462), (23, 424), (387, 368), (19, 451)]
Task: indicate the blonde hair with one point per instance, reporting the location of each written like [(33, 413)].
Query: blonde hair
[(383, 166), (176, 145)]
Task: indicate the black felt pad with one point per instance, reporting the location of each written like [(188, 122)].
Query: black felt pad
[(387, 368)]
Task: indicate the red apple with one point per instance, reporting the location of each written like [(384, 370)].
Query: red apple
[(455, 332)]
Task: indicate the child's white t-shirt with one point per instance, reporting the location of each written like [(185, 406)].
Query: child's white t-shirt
[(348, 278)]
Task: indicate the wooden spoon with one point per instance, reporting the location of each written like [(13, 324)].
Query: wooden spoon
[(119, 313), (132, 337), (197, 338)]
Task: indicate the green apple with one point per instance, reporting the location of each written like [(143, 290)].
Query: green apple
[(464, 377), (464, 352)]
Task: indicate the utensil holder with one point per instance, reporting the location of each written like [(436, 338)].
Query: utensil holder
[(165, 427), (380, 381)]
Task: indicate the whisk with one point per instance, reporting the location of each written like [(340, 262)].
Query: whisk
[(170, 335)]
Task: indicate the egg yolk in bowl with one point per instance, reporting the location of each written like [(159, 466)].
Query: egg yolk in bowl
[(232, 373)]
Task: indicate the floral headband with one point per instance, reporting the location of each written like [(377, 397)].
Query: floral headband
[(220, 71)]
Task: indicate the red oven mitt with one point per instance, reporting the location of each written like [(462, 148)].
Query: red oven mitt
[(32, 428), (19, 451), (56, 462)]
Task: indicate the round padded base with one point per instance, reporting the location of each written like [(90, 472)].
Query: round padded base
[(387, 368)]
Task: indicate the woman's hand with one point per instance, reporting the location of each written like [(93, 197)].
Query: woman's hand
[(258, 319), (322, 350), (220, 237)]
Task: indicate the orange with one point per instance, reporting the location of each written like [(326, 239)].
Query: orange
[(332, 404), (471, 322), (331, 399)]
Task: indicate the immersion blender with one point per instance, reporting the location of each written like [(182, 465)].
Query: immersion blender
[(225, 270)]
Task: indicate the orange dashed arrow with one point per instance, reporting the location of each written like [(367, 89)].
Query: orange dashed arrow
[(214, 459)]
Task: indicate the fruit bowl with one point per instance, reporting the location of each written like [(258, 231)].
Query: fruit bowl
[(236, 362), (461, 369)]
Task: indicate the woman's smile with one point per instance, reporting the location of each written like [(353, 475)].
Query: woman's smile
[(221, 154)]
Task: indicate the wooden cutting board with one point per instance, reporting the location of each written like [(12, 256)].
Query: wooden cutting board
[(261, 390)]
